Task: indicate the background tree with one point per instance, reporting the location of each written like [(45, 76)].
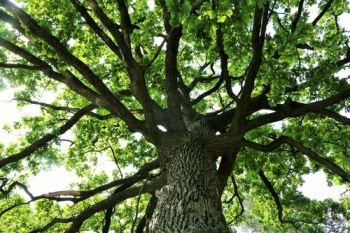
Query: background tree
[(235, 101)]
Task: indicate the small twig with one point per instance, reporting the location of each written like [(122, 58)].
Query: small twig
[(115, 158), (235, 187), (157, 53), (137, 206)]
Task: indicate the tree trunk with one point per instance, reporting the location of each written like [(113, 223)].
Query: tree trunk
[(190, 202)]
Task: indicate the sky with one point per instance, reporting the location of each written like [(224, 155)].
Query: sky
[(315, 185)]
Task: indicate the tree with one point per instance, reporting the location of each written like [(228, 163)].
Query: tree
[(235, 101)]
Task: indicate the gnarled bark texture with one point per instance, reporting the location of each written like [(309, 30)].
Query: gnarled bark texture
[(190, 202)]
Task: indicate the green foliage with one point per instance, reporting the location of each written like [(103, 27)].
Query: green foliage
[(299, 66)]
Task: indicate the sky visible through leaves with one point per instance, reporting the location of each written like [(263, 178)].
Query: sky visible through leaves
[(315, 185)]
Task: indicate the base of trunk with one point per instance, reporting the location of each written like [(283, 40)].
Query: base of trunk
[(190, 202)]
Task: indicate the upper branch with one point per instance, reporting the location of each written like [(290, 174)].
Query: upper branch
[(196, 4), (135, 71), (9, 19), (225, 170), (257, 40), (19, 66), (70, 59), (47, 138), (121, 184), (345, 60), (113, 28), (67, 78), (201, 78), (295, 109), (297, 17), (125, 21), (94, 26), (221, 121), (327, 163), (12, 186), (32, 199), (171, 71), (157, 53), (331, 114), (64, 108), (224, 62), (210, 91), (43, 34), (325, 9)]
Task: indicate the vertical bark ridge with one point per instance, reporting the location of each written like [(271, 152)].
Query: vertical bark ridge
[(190, 202)]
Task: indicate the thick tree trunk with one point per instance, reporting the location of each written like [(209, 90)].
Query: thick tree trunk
[(190, 202)]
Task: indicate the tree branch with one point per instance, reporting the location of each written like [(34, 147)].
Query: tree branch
[(35, 198), (156, 54), (71, 81), (202, 79), (107, 220), (77, 86), (47, 138), (113, 28), (223, 59), (334, 115), (220, 122), (274, 195), (152, 111), (63, 108), (208, 92), (12, 21), (325, 9), (12, 186), (121, 184), (137, 208), (78, 196), (19, 66), (345, 60), (93, 25), (171, 80), (295, 109), (297, 17), (196, 5), (235, 189), (112, 201), (304, 46), (51, 223), (43, 34), (257, 41), (70, 59), (327, 163), (146, 219), (125, 21), (225, 170)]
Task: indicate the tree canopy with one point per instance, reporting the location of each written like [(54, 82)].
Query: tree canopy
[(257, 81)]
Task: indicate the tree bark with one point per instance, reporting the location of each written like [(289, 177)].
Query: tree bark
[(190, 202)]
